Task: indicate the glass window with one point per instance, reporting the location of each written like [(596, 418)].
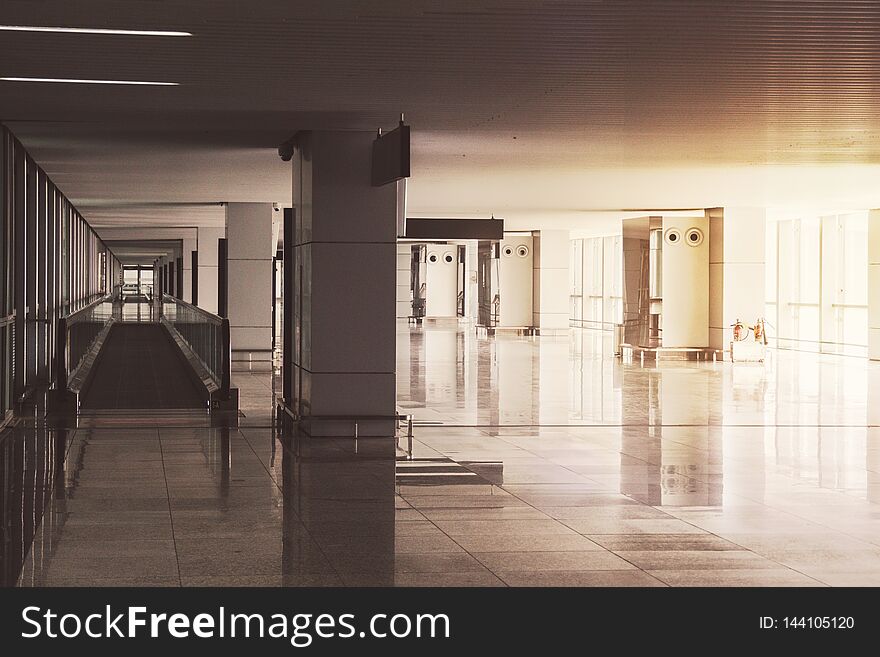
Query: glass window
[(816, 283), (596, 282)]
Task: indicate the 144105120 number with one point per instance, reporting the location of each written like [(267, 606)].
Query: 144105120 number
[(818, 622)]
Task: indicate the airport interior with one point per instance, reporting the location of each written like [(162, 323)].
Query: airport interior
[(460, 293)]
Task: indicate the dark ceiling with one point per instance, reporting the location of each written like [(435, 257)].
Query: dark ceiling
[(498, 93)]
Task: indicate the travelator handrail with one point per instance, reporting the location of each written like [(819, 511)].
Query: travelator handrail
[(77, 332), (206, 334)]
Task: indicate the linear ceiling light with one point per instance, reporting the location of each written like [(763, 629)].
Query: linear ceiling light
[(92, 30), (84, 81)]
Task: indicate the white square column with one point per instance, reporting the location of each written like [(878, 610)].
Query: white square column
[(736, 270), (404, 274), (189, 245), (207, 267), (550, 311), (874, 285), (249, 235), (345, 297)]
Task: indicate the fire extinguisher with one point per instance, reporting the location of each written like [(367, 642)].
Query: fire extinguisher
[(739, 331), (760, 333)]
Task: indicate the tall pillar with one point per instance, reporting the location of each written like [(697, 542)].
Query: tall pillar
[(345, 290), (188, 246), (736, 270), (874, 285), (685, 274), (207, 275), (171, 284), (550, 281), (515, 280), (404, 272), (163, 269), (472, 291), (249, 236)]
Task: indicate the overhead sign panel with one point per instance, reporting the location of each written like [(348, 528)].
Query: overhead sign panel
[(391, 156), (454, 229)]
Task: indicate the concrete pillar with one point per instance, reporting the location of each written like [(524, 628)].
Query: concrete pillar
[(472, 293), (550, 281), (736, 270), (249, 235), (441, 278), (874, 285), (404, 271), (685, 282), (345, 303), (162, 287), (189, 245), (207, 248), (515, 281)]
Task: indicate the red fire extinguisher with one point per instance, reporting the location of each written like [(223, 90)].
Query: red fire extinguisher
[(739, 331)]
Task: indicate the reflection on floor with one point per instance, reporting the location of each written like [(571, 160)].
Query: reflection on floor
[(536, 461)]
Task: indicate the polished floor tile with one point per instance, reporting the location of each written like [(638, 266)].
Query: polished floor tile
[(535, 462)]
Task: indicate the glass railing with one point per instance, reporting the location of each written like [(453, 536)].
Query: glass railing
[(77, 333), (207, 336)]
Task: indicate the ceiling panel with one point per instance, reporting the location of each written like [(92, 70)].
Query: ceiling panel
[(504, 97)]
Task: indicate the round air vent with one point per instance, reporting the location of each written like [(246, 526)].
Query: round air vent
[(507, 250), (433, 258), (522, 250), (448, 257), (694, 236), (673, 236)]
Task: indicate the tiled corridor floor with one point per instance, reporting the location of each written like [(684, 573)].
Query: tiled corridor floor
[(536, 461)]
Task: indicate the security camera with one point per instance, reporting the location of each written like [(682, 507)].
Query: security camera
[(285, 150)]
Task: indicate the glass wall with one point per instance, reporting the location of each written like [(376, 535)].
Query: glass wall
[(817, 283), (596, 282), (52, 264), (7, 297)]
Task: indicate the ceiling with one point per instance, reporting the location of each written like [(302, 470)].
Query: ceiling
[(538, 111), (143, 252)]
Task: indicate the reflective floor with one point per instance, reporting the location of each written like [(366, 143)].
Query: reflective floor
[(535, 461)]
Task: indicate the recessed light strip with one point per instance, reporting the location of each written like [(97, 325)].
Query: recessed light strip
[(92, 30), (85, 81)]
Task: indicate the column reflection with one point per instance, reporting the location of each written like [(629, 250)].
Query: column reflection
[(339, 511), (671, 453)]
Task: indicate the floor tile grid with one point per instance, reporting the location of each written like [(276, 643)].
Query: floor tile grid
[(622, 554)]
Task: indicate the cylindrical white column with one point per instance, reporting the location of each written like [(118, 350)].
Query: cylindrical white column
[(685, 282), (441, 287)]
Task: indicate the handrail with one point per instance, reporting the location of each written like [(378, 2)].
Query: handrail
[(107, 298), (6, 321), (180, 302), (71, 348), (207, 336)]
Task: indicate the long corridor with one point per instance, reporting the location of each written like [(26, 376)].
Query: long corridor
[(664, 476)]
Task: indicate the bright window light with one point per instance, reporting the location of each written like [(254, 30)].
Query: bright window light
[(92, 30), (86, 81)]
